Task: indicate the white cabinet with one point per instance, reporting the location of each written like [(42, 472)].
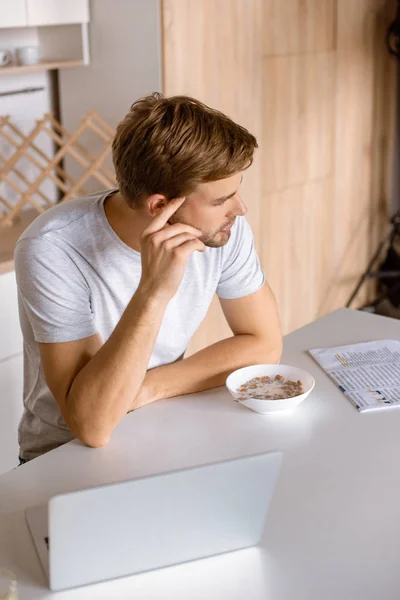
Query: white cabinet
[(57, 12), (11, 408), (13, 13), (23, 13), (10, 331), (11, 372)]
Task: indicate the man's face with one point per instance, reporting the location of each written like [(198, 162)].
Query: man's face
[(213, 208)]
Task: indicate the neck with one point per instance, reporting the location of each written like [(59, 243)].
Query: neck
[(128, 223)]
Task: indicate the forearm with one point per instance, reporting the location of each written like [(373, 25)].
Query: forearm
[(206, 369), (102, 392)]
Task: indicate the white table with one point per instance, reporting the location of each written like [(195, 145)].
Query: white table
[(333, 530)]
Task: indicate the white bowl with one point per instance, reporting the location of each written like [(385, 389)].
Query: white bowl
[(241, 376)]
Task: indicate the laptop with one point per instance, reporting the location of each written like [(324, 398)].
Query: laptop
[(125, 528)]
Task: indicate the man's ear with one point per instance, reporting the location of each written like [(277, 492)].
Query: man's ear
[(155, 203)]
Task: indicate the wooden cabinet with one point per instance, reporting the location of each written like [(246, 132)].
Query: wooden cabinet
[(13, 13), (57, 12), (10, 332)]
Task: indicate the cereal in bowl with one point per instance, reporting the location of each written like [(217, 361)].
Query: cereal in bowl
[(270, 388)]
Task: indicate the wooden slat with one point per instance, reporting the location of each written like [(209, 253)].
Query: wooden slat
[(66, 145), (22, 177), (36, 149), (43, 66), (90, 172), (27, 154), (59, 130)]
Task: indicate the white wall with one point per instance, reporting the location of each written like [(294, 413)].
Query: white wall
[(24, 109), (125, 48)]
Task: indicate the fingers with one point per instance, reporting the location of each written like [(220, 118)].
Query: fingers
[(166, 213), (177, 240), (184, 250), (173, 230)]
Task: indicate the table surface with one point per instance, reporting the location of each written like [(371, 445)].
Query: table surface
[(333, 530)]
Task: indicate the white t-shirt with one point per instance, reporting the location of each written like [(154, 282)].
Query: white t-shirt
[(75, 278)]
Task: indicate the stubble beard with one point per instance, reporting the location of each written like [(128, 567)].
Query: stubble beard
[(211, 240)]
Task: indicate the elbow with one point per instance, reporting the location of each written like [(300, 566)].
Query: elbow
[(92, 432), (93, 440), (87, 432), (273, 357), (271, 354), (277, 353), (96, 442)]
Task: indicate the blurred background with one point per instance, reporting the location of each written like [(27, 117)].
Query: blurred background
[(314, 80)]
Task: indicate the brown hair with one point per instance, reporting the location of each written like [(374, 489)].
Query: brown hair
[(170, 145)]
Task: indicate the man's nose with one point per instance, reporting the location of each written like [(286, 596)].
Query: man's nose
[(239, 208)]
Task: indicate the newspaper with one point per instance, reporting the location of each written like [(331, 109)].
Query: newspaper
[(368, 374)]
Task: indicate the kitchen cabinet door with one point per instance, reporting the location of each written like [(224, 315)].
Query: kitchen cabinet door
[(11, 408), (10, 331), (13, 13), (57, 12)]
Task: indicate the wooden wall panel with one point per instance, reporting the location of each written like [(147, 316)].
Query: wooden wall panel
[(297, 26), (313, 81), (212, 51), (361, 60), (300, 219), (383, 130), (298, 110)]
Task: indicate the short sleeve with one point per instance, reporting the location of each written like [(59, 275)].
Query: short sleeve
[(53, 292), (241, 271)]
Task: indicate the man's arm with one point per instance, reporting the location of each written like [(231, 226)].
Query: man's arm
[(257, 338), (93, 383)]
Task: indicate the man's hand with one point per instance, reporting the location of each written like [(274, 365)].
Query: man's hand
[(94, 382), (143, 397), (257, 339), (165, 250)]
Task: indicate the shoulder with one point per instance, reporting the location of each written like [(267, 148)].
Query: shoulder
[(64, 216)]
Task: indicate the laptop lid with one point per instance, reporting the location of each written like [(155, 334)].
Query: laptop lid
[(152, 522)]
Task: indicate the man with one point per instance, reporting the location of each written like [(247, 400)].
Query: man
[(113, 286)]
